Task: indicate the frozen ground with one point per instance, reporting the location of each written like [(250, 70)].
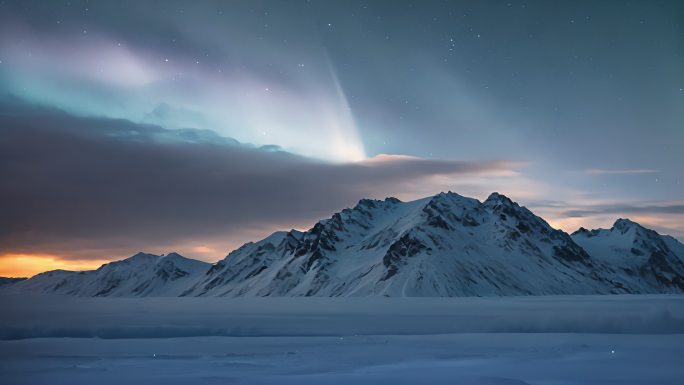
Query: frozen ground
[(547, 340)]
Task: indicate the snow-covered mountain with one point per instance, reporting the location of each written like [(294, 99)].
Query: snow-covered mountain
[(644, 260), (445, 245), (140, 275)]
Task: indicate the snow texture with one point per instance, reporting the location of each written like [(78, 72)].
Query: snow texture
[(506, 340), (39, 316)]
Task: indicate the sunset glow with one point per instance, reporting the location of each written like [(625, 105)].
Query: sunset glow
[(27, 265)]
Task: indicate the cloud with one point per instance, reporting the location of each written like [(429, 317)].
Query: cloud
[(665, 216), (27, 265), (602, 171), (304, 111), (673, 209), (83, 187)]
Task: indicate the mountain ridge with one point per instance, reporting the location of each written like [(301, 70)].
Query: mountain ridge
[(142, 274), (443, 245)]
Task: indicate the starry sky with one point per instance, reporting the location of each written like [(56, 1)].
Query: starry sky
[(197, 126)]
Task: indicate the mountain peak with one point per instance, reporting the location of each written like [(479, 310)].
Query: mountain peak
[(392, 200), (365, 204), (624, 224), (443, 195), (141, 255), (450, 196), (447, 205), (581, 230), (586, 232), (495, 197)]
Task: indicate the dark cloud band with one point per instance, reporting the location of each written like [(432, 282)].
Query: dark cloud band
[(83, 180)]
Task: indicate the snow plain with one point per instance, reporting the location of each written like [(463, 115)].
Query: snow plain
[(510, 340)]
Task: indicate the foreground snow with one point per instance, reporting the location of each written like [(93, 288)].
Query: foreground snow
[(434, 359), (531, 340)]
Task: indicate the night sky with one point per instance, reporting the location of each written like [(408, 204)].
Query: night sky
[(197, 126)]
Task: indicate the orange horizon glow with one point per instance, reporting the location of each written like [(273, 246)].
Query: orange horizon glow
[(28, 265)]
